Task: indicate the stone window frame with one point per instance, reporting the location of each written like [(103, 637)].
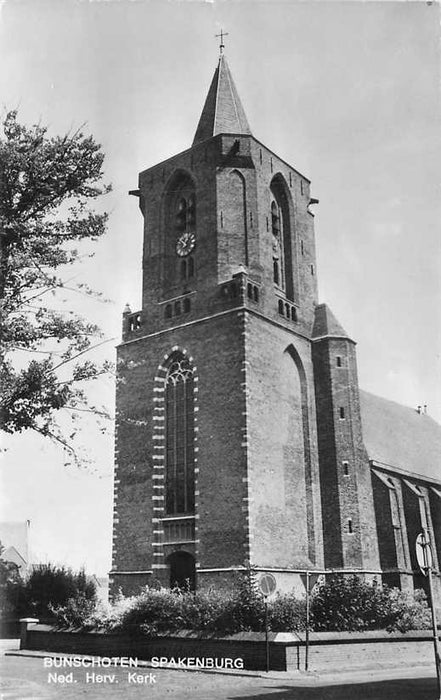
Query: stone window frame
[(159, 456), (179, 437), (284, 240)]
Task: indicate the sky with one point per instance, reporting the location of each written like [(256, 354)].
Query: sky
[(347, 93)]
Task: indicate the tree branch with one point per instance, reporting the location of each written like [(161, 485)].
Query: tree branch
[(74, 357)]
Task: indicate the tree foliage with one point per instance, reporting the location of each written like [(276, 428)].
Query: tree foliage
[(46, 186), (48, 586)]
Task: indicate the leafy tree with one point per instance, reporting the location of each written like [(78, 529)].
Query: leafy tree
[(48, 586), (46, 185)]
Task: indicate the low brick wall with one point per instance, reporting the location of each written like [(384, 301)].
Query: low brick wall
[(328, 651), (247, 646), (333, 651)]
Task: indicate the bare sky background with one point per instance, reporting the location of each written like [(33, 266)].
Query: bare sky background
[(347, 93)]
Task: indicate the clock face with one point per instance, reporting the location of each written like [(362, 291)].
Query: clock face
[(185, 244)]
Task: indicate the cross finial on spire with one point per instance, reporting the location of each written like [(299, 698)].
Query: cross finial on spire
[(222, 45)]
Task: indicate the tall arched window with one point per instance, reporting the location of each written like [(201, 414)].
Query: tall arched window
[(281, 229), (179, 228), (179, 427), (278, 261)]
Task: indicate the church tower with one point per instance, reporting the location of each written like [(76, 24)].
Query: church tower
[(217, 447)]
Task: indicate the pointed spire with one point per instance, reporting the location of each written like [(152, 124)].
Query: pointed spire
[(223, 112), (325, 324)]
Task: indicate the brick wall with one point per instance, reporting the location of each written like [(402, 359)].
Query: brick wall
[(232, 176), (328, 652), (350, 538), (216, 349), (391, 653), (331, 511), (284, 506)]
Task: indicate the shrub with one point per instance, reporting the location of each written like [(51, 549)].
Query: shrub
[(342, 604), (157, 611), (407, 611), (287, 613), (209, 611), (345, 603), (348, 603), (90, 614), (226, 612), (154, 611), (249, 608), (77, 612)]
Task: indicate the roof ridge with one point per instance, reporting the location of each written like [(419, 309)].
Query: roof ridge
[(400, 405), (218, 69), (228, 74)]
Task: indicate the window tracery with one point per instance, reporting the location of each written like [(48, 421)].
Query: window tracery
[(179, 423)]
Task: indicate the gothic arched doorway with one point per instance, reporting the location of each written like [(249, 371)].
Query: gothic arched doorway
[(182, 570)]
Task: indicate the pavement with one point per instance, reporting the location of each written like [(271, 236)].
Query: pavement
[(11, 647)]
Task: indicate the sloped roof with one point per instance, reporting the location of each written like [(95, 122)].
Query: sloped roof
[(222, 112), (325, 324), (400, 437), (12, 555), (16, 534)]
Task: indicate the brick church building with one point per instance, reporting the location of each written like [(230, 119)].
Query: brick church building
[(242, 436)]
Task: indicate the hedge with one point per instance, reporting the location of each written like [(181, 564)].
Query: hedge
[(340, 604)]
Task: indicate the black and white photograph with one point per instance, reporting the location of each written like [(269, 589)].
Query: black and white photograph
[(220, 395)]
